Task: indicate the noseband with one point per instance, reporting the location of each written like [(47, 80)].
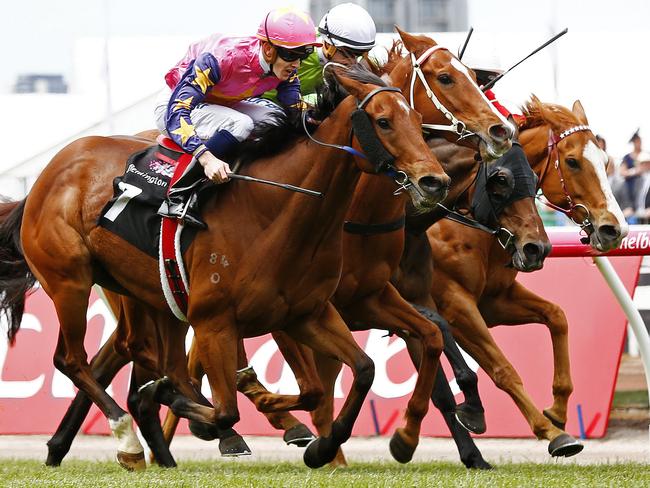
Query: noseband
[(455, 125), (553, 141)]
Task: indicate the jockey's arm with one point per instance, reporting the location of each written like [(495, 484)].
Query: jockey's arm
[(191, 91), (289, 92)]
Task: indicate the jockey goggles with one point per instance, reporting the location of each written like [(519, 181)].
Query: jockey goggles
[(300, 53)]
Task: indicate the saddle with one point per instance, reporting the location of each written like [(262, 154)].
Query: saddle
[(132, 215)]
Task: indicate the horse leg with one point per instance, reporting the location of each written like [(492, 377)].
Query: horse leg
[(274, 406), (188, 379), (323, 416), (443, 400), (388, 310), (195, 371), (473, 335), (518, 305), (330, 336), (470, 413), (71, 303), (105, 365), (217, 351), (310, 389), (145, 412)]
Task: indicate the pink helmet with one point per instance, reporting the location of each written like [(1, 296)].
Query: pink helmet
[(288, 28)]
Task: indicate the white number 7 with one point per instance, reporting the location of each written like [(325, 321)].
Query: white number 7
[(128, 192)]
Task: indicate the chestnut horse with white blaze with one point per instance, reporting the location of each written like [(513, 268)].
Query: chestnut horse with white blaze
[(472, 280)]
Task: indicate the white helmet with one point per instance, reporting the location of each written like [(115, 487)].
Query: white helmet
[(348, 25)]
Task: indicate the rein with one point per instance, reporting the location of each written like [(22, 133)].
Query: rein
[(553, 141), (456, 126), (503, 235)]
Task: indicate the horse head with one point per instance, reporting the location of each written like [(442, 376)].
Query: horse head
[(389, 135), (504, 200), (572, 170), (445, 92)]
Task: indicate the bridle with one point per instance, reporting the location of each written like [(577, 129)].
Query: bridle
[(553, 141), (374, 151), (504, 236), (456, 126)]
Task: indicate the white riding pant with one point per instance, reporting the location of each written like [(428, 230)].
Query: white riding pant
[(209, 118)]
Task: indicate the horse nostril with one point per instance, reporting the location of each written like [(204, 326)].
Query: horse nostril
[(433, 184), (534, 251), (609, 232), (500, 132)]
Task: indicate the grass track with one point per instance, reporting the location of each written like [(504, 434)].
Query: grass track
[(237, 474)]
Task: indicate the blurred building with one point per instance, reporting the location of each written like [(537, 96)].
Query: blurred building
[(40, 83), (410, 15)]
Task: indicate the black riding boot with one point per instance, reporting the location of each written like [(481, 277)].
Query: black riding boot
[(182, 200)]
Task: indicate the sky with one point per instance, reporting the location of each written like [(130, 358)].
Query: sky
[(603, 60)]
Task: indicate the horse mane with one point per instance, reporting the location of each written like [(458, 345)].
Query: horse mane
[(394, 57), (536, 113), (285, 129)]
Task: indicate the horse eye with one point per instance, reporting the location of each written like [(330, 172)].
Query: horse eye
[(383, 123), (572, 163), (445, 79)]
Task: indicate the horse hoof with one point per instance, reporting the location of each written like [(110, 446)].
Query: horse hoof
[(399, 449), (203, 431), (316, 455), (298, 435), (477, 463), (233, 446), (471, 421), (564, 445), (131, 462), (560, 425), (55, 456)]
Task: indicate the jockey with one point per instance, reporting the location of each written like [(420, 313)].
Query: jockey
[(206, 111), (347, 32)]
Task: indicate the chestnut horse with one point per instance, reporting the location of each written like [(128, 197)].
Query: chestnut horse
[(456, 89), (364, 296), (64, 248), (473, 289)]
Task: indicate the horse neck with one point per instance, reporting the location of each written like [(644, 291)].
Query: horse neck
[(374, 201), (309, 165), (534, 141)]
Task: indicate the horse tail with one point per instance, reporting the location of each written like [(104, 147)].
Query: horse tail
[(16, 279)]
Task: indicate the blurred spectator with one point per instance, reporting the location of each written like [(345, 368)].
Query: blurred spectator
[(642, 190), (629, 168), (617, 183)]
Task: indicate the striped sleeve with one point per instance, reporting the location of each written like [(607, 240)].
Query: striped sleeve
[(289, 91), (191, 90)]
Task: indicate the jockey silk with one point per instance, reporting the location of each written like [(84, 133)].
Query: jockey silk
[(220, 70)]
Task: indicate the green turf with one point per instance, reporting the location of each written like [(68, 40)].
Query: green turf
[(623, 399), (86, 473)]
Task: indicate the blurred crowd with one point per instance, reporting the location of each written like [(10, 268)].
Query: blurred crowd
[(630, 180)]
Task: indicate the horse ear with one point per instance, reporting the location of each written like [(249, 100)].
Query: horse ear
[(357, 89), (579, 112), (415, 44)]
